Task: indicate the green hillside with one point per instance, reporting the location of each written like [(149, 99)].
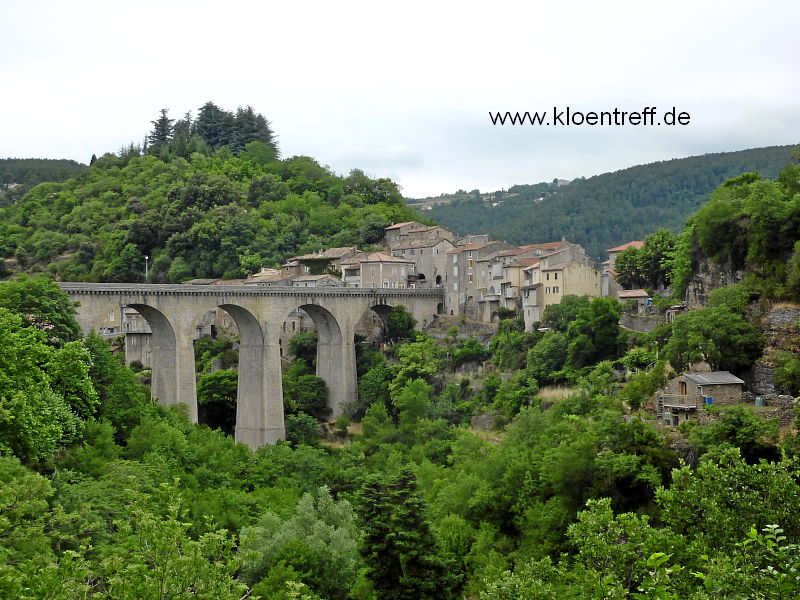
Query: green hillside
[(207, 197), (603, 211), (18, 175)]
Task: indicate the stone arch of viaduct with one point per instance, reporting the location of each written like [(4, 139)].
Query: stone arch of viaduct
[(172, 311)]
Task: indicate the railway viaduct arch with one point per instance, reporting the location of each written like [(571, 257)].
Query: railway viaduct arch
[(172, 311)]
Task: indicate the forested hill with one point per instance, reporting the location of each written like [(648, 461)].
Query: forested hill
[(28, 172), (606, 210), (207, 197)]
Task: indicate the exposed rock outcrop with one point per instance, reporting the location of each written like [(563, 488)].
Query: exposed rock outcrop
[(709, 276)]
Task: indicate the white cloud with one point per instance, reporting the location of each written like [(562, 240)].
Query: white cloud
[(404, 90)]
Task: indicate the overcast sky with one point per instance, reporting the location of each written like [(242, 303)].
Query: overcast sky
[(404, 90)]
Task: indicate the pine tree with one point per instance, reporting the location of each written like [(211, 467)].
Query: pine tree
[(162, 130), (399, 549), (214, 125), (250, 126)]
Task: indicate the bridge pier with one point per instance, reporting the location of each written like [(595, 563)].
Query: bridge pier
[(336, 364), (185, 381)]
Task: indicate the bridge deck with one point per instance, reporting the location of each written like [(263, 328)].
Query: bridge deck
[(246, 290)]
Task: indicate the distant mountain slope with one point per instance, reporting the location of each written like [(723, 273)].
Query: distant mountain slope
[(605, 210), (31, 171)]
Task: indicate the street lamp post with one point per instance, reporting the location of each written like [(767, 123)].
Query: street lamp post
[(145, 268)]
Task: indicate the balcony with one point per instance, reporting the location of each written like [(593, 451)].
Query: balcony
[(679, 401)]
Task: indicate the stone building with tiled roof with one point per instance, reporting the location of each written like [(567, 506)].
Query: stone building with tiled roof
[(461, 271), (411, 231), (608, 282), (430, 260), (688, 393), (380, 270)]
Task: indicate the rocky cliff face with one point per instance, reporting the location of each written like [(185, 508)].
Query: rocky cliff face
[(708, 276), (781, 329)]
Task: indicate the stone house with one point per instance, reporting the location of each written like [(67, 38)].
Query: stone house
[(561, 273), (608, 281), (689, 392), (351, 273), (430, 260), (640, 299), (327, 260), (461, 284), (269, 278), (379, 270), (411, 231), (472, 238), (324, 280)]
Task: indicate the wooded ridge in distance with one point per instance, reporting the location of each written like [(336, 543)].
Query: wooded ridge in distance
[(606, 210)]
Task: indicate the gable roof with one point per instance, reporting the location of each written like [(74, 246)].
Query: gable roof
[(714, 378), (315, 277), (465, 247), (527, 262), (266, 276), (381, 257), (403, 224), (422, 244), (544, 246), (634, 244)]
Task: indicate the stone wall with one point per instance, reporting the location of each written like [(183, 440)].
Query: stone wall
[(641, 323)]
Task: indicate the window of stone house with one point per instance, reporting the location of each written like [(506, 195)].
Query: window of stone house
[(372, 271), (555, 275), (547, 290)]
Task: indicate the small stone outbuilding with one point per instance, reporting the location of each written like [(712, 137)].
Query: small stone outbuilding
[(688, 392)]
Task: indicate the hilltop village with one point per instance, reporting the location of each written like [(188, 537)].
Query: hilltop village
[(481, 277)]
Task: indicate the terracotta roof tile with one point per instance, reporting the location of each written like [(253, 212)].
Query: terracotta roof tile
[(634, 244)]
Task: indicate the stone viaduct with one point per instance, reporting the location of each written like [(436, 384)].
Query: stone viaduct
[(172, 311)]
